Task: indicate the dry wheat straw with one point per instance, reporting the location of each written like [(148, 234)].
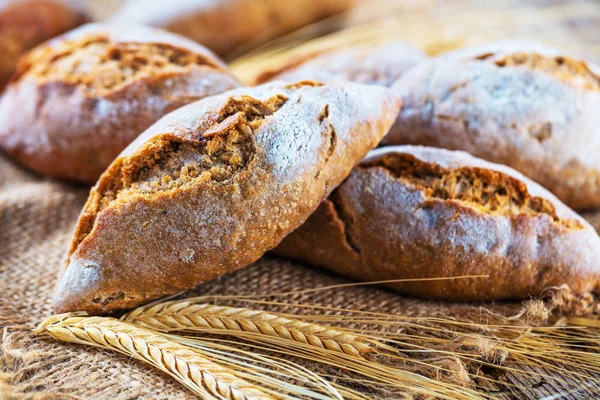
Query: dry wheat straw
[(204, 377), (293, 338), (187, 316), (370, 373), (523, 340), (277, 373)]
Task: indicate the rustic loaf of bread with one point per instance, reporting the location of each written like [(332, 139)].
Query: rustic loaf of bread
[(77, 101), (26, 23), (214, 185), (370, 64), (416, 212), (521, 104), (224, 25)]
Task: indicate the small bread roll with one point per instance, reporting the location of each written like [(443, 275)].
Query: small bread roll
[(214, 185), (223, 25), (77, 101), (26, 23), (521, 104), (372, 65), (416, 212)]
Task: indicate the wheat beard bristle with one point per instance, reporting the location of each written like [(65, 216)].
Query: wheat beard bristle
[(206, 378), (187, 316)]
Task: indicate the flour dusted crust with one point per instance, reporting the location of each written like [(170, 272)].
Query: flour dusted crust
[(26, 23), (224, 25), (415, 212), (214, 185), (79, 99), (521, 104), (381, 64)]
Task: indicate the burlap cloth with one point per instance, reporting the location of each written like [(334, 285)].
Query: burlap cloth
[(36, 219)]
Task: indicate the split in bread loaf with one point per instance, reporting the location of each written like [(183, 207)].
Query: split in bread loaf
[(415, 212), (78, 100), (214, 185), (521, 104)]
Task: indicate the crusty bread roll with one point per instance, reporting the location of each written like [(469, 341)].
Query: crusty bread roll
[(521, 104), (369, 64), (223, 25), (26, 23), (78, 100), (416, 212), (214, 185)]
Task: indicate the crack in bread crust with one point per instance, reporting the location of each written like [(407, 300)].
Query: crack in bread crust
[(100, 65), (167, 162), (565, 69), (487, 191), (215, 155), (330, 133), (347, 221)]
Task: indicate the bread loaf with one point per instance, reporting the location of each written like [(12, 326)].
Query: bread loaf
[(224, 25), (416, 212), (212, 186), (370, 64), (26, 23), (80, 99), (521, 104)]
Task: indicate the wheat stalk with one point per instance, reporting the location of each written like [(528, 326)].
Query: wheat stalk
[(206, 378), (191, 317)]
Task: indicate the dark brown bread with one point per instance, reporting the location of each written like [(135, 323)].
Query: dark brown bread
[(224, 25), (27, 23), (416, 212), (214, 185), (371, 64), (80, 99), (515, 103)]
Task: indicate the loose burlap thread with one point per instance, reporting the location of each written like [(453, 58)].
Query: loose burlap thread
[(37, 216)]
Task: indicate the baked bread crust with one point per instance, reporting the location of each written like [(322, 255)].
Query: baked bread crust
[(26, 23), (214, 185), (416, 212), (381, 64), (78, 100), (224, 25), (515, 103)]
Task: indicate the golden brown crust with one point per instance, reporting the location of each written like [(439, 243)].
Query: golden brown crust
[(515, 103), (415, 212), (78, 100), (26, 23), (370, 64), (224, 25), (212, 186)]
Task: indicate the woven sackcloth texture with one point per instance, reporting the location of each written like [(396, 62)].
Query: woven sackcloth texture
[(36, 219)]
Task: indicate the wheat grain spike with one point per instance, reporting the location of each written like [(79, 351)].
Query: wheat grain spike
[(189, 316), (206, 378)]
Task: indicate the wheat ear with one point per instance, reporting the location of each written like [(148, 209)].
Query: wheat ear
[(206, 378), (187, 316)]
